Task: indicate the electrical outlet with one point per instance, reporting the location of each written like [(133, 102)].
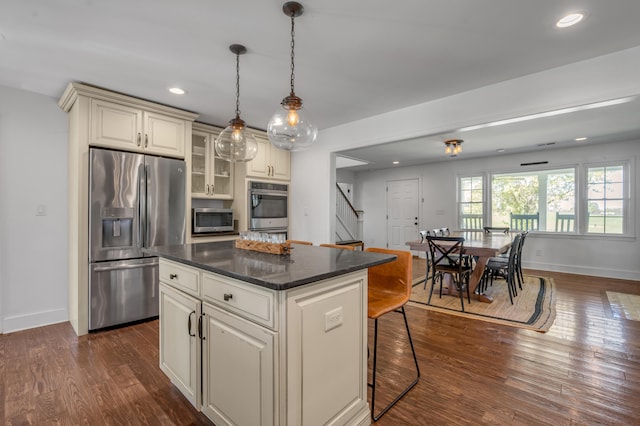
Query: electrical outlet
[(333, 319), (41, 210)]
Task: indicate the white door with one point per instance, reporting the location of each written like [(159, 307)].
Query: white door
[(402, 212)]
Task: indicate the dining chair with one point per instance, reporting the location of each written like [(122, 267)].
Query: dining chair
[(565, 222), (471, 222), (338, 246), (524, 222), (505, 267), (389, 289), (304, 243), (449, 258), (423, 236)]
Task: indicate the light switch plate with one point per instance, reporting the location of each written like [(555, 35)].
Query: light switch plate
[(41, 210)]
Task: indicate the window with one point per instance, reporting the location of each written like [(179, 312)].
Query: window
[(606, 199), (542, 200), (470, 203)]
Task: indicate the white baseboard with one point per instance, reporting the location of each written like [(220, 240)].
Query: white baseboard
[(34, 319), (584, 270)]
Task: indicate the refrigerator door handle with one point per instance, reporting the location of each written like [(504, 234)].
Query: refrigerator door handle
[(142, 206), (121, 267)]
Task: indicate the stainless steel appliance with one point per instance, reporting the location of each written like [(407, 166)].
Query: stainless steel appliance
[(268, 206), (135, 201), (206, 219)]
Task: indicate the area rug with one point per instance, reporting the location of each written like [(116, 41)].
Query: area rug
[(624, 305), (533, 308)]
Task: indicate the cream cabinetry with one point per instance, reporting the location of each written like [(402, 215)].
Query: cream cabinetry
[(179, 343), (211, 176), (271, 162), (269, 357), (101, 117), (129, 128), (237, 370)]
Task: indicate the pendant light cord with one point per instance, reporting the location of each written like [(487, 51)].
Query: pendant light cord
[(293, 55), (237, 85)]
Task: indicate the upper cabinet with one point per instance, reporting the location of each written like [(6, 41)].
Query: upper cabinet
[(130, 124), (211, 176), (121, 126), (271, 162)]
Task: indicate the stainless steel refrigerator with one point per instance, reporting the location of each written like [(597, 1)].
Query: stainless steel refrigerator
[(135, 201)]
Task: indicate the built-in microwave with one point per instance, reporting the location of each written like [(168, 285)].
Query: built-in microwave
[(268, 206), (207, 220)]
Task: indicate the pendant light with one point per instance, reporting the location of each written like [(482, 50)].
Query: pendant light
[(236, 143), (290, 128)]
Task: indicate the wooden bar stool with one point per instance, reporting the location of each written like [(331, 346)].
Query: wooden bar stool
[(338, 246), (389, 290), (304, 243)]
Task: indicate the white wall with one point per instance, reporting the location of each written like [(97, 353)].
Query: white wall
[(33, 249), (313, 175), (590, 255)]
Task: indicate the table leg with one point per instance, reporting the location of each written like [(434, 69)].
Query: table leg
[(474, 281)]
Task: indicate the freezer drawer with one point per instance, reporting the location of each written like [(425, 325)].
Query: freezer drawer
[(122, 291)]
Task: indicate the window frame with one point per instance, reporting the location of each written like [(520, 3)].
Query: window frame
[(547, 169), (628, 224), (459, 177)]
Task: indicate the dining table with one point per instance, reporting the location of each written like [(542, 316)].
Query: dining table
[(482, 246)]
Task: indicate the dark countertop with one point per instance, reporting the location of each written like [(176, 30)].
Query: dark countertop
[(305, 264)]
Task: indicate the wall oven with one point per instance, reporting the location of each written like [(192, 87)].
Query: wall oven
[(268, 206)]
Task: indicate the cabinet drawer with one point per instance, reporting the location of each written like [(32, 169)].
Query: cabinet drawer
[(250, 302), (181, 277)]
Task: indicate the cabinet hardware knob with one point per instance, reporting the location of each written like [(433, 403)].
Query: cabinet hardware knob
[(139, 139), (173, 276), (227, 297)]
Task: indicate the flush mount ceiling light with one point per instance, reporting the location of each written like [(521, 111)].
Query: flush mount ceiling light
[(570, 19), (581, 138), (290, 128), (176, 91), (453, 147), (236, 143)]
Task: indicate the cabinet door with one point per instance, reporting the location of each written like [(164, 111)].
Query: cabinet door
[(280, 164), (164, 135), (259, 166), (237, 370), (199, 178), (221, 174), (179, 342), (116, 126)]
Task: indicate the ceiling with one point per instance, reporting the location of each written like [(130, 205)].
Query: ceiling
[(354, 59)]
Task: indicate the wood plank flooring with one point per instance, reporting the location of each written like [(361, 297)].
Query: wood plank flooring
[(584, 371)]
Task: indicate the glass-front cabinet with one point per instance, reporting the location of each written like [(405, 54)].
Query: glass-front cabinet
[(211, 176)]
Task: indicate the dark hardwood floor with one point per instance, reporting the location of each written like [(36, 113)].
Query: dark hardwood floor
[(584, 371)]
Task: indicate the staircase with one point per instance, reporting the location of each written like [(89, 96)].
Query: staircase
[(348, 221)]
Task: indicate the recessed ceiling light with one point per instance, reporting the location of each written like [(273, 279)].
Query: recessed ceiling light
[(177, 91), (500, 150), (396, 162), (569, 20), (583, 138)]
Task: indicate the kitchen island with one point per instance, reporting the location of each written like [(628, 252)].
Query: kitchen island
[(254, 338)]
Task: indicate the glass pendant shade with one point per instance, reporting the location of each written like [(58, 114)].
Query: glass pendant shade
[(236, 143), (291, 130)]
